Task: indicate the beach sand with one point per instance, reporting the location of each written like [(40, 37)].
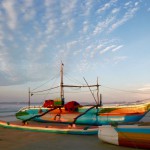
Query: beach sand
[(11, 139)]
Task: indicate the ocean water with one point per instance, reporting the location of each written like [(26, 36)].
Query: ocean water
[(8, 110)]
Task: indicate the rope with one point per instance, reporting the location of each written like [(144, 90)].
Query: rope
[(123, 90), (46, 89), (24, 121)]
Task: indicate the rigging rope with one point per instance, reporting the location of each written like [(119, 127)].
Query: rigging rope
[(45, 83), (123, 90), (46, 89), (72, 79)]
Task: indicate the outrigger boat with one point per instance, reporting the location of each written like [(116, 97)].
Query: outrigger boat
[(137, 135), (74, 113)]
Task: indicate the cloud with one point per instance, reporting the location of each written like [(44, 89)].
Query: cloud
[(101, 26), (29, 14), (136, 3), (103, 46), (70, 24), (128, 3), (106, 6), (107, 49), (67, 7), (1, 36), (119, 59), (50, 27), (28, 3), (128, 15), (85, 26), (8, 70), (87, 7), (41, 47), (145, 88), (71, 44), (117, 48), (83, 65), (8, 6), (115, 10)]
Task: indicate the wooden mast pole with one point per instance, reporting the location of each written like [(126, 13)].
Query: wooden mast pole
[(61, 84), (98, 99), (29, 98)]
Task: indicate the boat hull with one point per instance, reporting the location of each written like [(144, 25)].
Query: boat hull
[(94, 116), (126, 135)]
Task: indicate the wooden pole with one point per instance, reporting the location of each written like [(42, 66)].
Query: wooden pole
[(29, 98), (61, 84), (98, 99), (91, 91)]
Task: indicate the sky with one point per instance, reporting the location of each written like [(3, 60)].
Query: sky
[(104, 39)]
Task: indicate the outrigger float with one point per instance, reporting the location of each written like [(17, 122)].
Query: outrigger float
[(57, 111), (51, 128)]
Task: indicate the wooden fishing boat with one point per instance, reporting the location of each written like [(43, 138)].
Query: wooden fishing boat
[(72, 112), (51, 128), (137, 135), (90, 115)]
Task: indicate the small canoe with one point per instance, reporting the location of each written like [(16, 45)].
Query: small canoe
[(51, 128), (137, 136)]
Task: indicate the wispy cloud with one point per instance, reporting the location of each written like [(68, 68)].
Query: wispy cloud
[(128, 15), (107, 49), (118, 59), (101, 26), (11, 13), (128, 3), (67, 7), (85, 26), (28, 10), (87, 7), (145, 88), (117, 48), (106, 6), (115, 10)]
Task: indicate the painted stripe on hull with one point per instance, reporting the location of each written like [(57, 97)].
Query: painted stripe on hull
[(134, 130), (136, 140)]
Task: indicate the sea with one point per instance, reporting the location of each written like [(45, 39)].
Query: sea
[(9, 109)]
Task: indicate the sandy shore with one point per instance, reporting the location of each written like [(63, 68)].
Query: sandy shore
[(11, 139)]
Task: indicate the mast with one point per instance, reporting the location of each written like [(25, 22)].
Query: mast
[(61, 84), (29, 98), (98, 99)]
